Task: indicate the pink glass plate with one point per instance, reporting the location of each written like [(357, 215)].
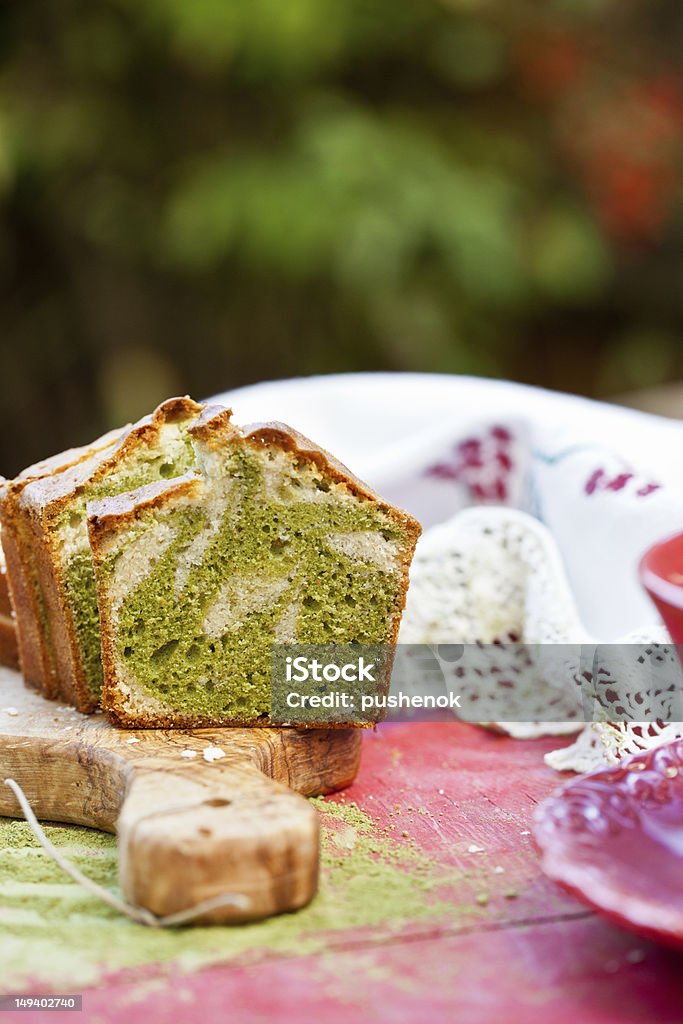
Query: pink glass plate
[(614, 839)]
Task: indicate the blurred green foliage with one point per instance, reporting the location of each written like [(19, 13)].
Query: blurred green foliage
[(201, 194)]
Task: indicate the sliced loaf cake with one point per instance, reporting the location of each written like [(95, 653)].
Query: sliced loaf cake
[(29, 629), (52, 510), (9, 651), (269, 540)]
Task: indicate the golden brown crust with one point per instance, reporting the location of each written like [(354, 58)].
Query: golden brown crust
[(62, 460), (35, 653), (31, 642), (108, 514), (5, 603), (123, 720), (48, 495), (9, 652), (61, 640), (42, 502), (288, 439), (214, 428)]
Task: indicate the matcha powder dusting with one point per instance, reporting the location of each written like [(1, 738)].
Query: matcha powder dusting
[(53, 931)]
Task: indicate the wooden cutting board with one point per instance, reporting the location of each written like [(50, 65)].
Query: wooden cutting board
[(189, 829)]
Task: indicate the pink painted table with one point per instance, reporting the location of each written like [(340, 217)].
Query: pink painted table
[(432, 908)]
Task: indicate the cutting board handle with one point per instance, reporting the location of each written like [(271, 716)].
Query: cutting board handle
[(190, 829), (224, 828)]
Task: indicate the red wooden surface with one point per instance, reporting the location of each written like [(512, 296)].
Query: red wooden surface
[(505, 945)]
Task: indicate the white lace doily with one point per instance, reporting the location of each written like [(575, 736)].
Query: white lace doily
[(493, 577)]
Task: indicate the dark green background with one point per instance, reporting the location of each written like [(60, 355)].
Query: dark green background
[(197, 194)]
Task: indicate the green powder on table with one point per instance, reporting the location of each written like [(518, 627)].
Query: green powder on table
[(52, 931)]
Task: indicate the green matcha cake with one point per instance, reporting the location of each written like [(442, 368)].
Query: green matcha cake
[(52, 510), (267, 540), (36, 657)]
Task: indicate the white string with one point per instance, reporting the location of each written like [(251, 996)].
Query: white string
[(139, 914)]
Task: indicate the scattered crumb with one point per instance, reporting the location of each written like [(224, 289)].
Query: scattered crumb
[(133, 739), (346, 839), (498, 870), (213, 754), (11, 712), (473, 848), (191, 753), (441, 792), (525, 833), (404, 834), (482, 899), (511, 894)]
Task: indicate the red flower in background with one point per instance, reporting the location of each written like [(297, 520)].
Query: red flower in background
[(623, 138), (628, 157), (549, 62)]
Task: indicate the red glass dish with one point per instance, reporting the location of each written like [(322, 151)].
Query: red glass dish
[(614, 839), (661, 573)]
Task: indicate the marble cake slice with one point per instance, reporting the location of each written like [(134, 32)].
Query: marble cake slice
[(24, 629), (269, 540), (53, 509)]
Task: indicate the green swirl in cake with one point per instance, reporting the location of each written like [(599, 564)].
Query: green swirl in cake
[(168, 456), (267, 541), (154, 449)]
